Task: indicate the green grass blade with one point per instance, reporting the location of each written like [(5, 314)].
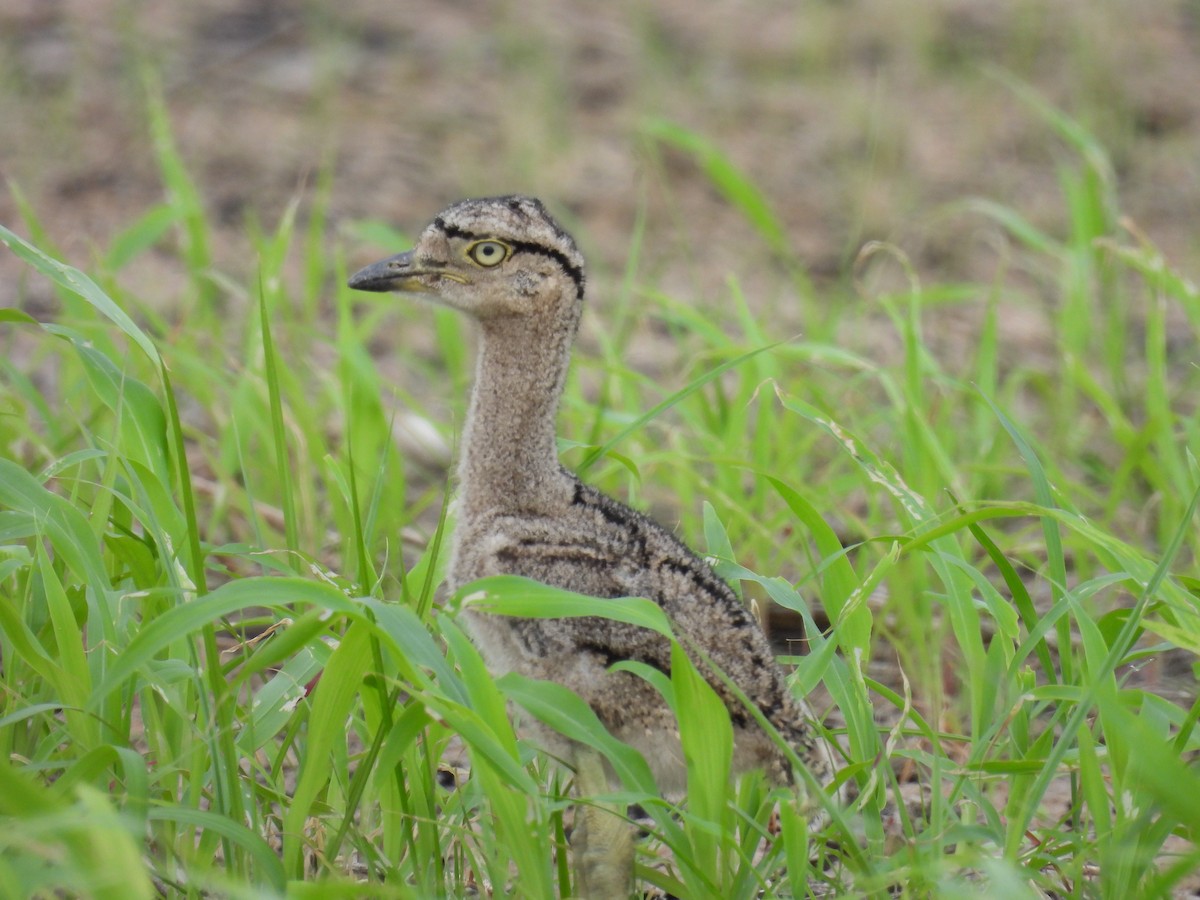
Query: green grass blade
[(594, 456), (71, 279), (282, 462), (735, 187)]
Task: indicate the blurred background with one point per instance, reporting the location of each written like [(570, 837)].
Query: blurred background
[(857, 120)]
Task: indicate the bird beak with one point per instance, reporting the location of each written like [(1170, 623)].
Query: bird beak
[(396, 273)]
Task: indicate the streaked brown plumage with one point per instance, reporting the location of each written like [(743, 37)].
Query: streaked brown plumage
[(505, 262)]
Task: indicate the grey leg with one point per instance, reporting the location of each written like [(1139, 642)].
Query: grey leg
[(602, 841)]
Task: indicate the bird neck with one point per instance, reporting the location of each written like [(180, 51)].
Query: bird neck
[(509, 458)]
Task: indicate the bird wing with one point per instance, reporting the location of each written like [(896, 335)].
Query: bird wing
[(602, 563)]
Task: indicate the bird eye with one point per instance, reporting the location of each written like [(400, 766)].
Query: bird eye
[(488, 253)]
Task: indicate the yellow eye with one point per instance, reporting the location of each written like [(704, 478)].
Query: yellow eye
[(489, 253)]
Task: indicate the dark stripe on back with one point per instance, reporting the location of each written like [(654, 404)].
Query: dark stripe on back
[(676, 566), (610, 657), (615, 515)]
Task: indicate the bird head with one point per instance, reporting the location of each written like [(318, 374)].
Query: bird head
[(497, 256)]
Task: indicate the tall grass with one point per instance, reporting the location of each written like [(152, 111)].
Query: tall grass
[(201, 511)]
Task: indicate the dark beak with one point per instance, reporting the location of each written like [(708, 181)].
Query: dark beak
[(390, 274)]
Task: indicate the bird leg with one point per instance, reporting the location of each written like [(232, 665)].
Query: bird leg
[(602, 840)]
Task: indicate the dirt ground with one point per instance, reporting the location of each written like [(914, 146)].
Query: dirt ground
[(859, 120)]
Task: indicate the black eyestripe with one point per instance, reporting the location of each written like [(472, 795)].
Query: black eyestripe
[(575, 273)]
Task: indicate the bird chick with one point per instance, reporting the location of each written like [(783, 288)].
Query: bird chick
[(508, 265)]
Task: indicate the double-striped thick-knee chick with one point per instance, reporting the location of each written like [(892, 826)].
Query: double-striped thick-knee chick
[(506, 263)]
